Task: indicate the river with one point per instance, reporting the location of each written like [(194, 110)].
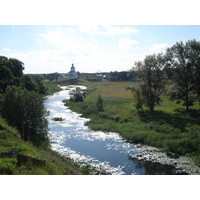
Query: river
[(106, 151)]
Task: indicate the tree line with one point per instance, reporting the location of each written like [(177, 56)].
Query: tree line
[(21, 101), (178, 67)]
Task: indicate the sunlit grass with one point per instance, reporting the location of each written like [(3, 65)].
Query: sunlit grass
[(55, 163), (169, 127)]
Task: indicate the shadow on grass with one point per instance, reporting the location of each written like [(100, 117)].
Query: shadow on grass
[(179, 119)]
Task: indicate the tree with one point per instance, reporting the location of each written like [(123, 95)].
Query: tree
[(153, 79), (78, 96), (17, 67), (30, 83), (184, 61), (25, 110), (100, 104), (11, 72), (138, 97), (6, 77)]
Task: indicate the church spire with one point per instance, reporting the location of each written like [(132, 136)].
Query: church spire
[(72, 68)]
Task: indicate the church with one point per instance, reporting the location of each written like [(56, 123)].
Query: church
[(72, 74)]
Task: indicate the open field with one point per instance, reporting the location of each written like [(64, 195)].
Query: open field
[(169, 127)]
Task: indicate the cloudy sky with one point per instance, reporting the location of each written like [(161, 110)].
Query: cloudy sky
[(92, 48)]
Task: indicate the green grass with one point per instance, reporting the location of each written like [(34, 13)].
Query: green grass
[(52, 87), (169, 127), (55, 163)]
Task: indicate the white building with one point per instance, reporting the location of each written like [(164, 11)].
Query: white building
[(72, 74)]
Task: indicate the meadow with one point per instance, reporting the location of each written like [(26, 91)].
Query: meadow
[(169, 127)]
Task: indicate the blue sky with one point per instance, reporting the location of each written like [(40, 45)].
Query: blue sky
[(92, 48)]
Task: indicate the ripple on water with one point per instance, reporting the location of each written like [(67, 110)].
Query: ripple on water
[(122, 157)]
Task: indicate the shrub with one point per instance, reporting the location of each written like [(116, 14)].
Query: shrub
[(7, 165), (58, 119), (100, 104)]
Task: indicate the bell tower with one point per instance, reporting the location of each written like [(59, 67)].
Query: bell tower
[(72, 68)]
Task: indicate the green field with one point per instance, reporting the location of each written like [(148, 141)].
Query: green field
[(169, 127)]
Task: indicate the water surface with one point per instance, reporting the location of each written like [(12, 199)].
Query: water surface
[(107, 151)]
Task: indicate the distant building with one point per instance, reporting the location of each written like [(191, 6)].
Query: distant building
[(61, 78), (72, 74)]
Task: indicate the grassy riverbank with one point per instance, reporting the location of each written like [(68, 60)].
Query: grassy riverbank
[(51, 87), (170, 127), (55, 164)]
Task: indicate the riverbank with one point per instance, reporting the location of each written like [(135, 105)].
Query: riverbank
[(55, 164), (169, 128)]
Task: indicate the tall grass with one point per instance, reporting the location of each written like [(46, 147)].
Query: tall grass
[(55, 163), (169, 127)]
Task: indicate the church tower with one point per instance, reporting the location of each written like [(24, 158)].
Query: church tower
[(72, 74), (72, 68)]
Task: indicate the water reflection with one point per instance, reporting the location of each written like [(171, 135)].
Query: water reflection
[(107, 151), (153, 168)]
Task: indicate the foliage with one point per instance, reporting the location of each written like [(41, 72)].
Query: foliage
[(78, 96), (169, 127), (34, 83), (184, 61), (121, 76), (138, 98), (52, 76), (11, 71), (7, 166), (51, 88), (55, 163), (57, 119), (25, 110), (100, 104), (153, 80)]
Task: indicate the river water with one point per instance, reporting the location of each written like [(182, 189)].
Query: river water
[(106, 151)]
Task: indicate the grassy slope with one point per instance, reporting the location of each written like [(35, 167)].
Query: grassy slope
[(55, 163), (169, 127), (52, 87)]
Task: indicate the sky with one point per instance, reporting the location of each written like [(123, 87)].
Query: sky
[(42, 34), (91, 48)]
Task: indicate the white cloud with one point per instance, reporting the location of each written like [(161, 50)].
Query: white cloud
[(49, 61), (106, 29), (127, 43), (158, 48), (74, 47), (5, 50), (54, 37)]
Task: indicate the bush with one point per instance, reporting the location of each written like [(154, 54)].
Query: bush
[(7, 165), (58, 119), (100, 104)]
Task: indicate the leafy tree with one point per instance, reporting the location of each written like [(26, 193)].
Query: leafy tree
[(78, 96), (100, 104), (30, 83), (25, 110), (153, 79), (184, 60), (11, 72), (138, 97), (17, 67), (6, 77)]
